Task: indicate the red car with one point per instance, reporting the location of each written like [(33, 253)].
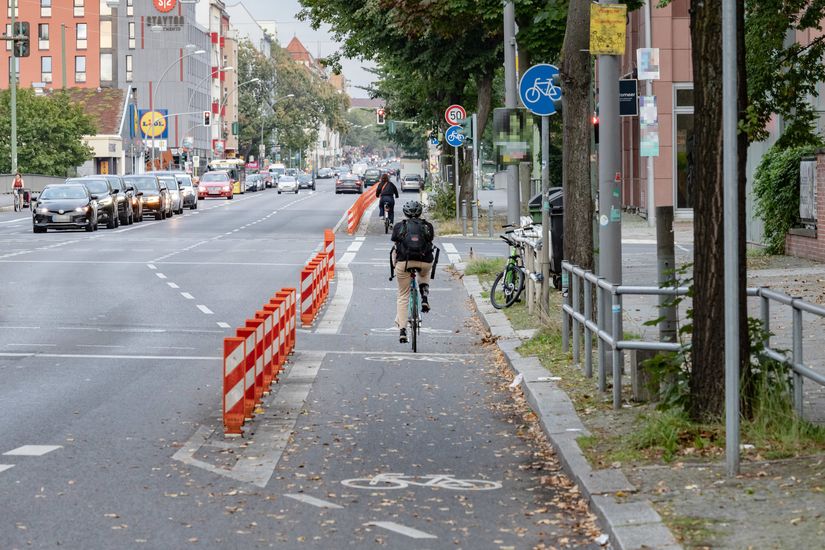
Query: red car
[(215, 184)]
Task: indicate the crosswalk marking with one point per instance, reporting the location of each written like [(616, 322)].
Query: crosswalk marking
[(32, 450)]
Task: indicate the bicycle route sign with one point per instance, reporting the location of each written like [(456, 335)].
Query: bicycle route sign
[(454, 136), (454, 114), (537, 90)]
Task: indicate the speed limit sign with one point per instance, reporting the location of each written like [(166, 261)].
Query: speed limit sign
[(454, 114)]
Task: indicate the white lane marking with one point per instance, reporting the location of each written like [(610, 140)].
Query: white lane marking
[(223, 325), (33, 450), (16, 221), (98, 346), (360, 238), (34, 345), (401, 529), (205, 309), (355, 246), (345, 260), (333, 315), (172, 285), (4, 467), (682, 248), (151, 266), (452, 253), (312, 501), (450, 248), (187, 295), (273, 429), (109, 356), (160, 275)]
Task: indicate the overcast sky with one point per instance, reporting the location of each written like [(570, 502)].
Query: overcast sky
[(319, 43)]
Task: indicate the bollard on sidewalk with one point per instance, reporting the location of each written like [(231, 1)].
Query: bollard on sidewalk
[(464, 217), (490, 215)]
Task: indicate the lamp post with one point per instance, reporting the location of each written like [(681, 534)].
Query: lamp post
[(157, 86)]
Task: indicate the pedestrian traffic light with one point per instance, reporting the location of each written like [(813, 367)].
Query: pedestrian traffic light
[(595, 121), (207, 118), (21, 39), (379, 116)]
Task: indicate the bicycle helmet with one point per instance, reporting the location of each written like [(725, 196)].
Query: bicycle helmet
[(413, 209)]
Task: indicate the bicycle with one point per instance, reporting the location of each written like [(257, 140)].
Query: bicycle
[(18, 200), (542, 88), (387, 222), (509, 284), (414, 302), (402, 481)]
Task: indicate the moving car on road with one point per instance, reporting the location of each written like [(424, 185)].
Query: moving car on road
[(216, 184), (155, 199), (255, 182), (349, 182), (306, 181), (106, 201), (64, 206), (325, 173), (175, 198), (186, 188), (372, 176), (124, 196), (287, 184), (412, 182)]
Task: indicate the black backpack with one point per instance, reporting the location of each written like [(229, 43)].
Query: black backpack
[(416, 240)]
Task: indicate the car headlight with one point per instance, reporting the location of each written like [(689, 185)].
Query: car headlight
[(81, 209), (226, 188), (152, 199), (42, 210)]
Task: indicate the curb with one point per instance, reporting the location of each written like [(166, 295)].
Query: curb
[(630, 525)]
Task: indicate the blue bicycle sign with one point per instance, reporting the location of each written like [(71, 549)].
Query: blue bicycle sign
[(453, 136), (537, 90)]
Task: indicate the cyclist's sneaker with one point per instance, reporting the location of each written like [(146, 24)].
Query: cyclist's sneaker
[(425, 304), (402, 338)]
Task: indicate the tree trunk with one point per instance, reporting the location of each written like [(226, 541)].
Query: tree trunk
[(576, 82), (707, 378), (484, 85)]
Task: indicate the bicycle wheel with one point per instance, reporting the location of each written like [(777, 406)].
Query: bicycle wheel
[(506, 287), (386, 224), (370, 483), (415, 319), (469, 484), (532, 95)]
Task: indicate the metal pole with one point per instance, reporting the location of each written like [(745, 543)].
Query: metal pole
[(616, 311), (490, 215), (476, 174), (576, 302), (13, 86), (610, 200), (464, 217), (666, 263), (588, 336), (565, 318), (601, 308), (731, 230), (545, 215), (511, 102), (797, 358), (651, 182), (456, 185), (63, 55)]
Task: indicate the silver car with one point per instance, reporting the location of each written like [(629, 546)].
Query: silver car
[(287, 184), (175, 197)]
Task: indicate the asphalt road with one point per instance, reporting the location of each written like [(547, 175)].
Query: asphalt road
[(110, 402)]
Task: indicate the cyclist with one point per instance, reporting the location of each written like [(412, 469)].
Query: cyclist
[(387, 192), (413, 240), (18, 185)]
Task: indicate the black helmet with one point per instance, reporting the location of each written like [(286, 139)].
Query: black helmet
[(413, 209)]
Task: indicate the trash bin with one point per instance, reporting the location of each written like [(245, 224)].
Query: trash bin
[(534, 206), (555, 197)]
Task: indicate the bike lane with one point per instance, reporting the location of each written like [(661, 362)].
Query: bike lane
[(384, 434)]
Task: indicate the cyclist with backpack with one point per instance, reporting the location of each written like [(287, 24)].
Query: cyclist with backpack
[(413, 238), (387, 192)]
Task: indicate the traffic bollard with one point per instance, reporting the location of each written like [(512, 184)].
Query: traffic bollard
[(464, 217), (490, 215)]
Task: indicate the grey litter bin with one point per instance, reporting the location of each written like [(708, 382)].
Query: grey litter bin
[(555, 196)]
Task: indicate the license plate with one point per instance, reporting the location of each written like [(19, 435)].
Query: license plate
[(61, 218), (214, 191)]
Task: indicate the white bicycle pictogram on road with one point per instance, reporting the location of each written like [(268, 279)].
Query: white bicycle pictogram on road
[(542, 88), (402, 481)]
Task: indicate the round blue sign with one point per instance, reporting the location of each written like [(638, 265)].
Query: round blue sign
[(454, 136), (537, 90)]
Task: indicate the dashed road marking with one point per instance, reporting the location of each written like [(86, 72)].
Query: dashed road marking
[(187, 295), (151, 266), (160, 275), (33, 450), (401, 529), (4, 467), (113, 356), (224, 325), (172, 285), (205, 309), (312, 501)]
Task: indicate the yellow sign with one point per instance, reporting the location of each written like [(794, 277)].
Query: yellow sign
[(608, 29), (150, 127)]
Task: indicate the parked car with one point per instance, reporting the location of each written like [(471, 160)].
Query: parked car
[(349, 182), (175, 198), (186, 188), (215, 184), (412, 182), (267, 177), (287, 184), (291, 172), (255, 182), (155, 199), (106, 202), (325, 173), (372, 176), (65, 206), (124, 196), (306, 181)]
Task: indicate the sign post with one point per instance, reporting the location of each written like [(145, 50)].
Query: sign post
[(455, 137)]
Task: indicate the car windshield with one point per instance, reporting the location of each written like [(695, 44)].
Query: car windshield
[(171, 183), (215, 176), (63, 192), (94, 186), (145, 183), (305, 177), (287, 179), (114, 182), (372, 173), (184, 181)]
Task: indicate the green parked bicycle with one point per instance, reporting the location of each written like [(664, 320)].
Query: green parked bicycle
[(509, 284)]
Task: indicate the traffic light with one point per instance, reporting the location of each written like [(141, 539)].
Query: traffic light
[(595, 121), (379, 116), (21, 44), (467, 128), (207, 118), (557, 102)]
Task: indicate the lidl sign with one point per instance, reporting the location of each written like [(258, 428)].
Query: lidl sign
[(153, 123)]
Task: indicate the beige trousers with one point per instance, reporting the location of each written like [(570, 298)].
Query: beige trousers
[(404, 280)]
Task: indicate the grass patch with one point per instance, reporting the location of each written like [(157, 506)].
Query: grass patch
[(693, 532), (451, 226), (485, 266)]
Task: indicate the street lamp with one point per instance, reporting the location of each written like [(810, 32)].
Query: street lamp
[(157, 87)]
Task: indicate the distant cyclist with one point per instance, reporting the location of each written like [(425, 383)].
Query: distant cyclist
[(18, 186), (413, 240), (387, 192)]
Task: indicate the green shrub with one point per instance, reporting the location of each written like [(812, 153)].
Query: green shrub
[(442, 203), (776, 189)]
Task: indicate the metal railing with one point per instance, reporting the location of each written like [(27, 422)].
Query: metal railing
[(578, 317)]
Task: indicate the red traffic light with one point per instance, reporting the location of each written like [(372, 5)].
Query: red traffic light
[(595, 120)]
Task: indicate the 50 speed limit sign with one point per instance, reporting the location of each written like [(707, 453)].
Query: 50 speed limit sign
[(454, 114)]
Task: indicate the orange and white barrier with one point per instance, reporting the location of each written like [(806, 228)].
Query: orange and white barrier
[(314, 287), (329, 248), (356, 211), (234, 371), (250, 392)]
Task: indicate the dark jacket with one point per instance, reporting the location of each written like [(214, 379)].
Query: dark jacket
[(386, 190), (398, 233)]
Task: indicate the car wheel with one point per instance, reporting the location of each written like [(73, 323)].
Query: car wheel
[(158, 215), (96, 225), (296, 191), (279, 191), (193, 206), (111, 223)]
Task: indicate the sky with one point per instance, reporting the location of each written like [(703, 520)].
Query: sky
[(319, 43)]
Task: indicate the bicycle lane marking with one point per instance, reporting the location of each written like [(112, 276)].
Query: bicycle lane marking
[(452, 252), (400, 529)]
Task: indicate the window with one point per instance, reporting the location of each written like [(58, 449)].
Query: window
[(80, 68), (79, 10), (106, 67), (46, 68), (131, 35), (104, 7), (82, 36), (16, 8), (45, 8), (43, 36), (130, 7), (105, 34), (683, 146), (128, 68), (8, 42)]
